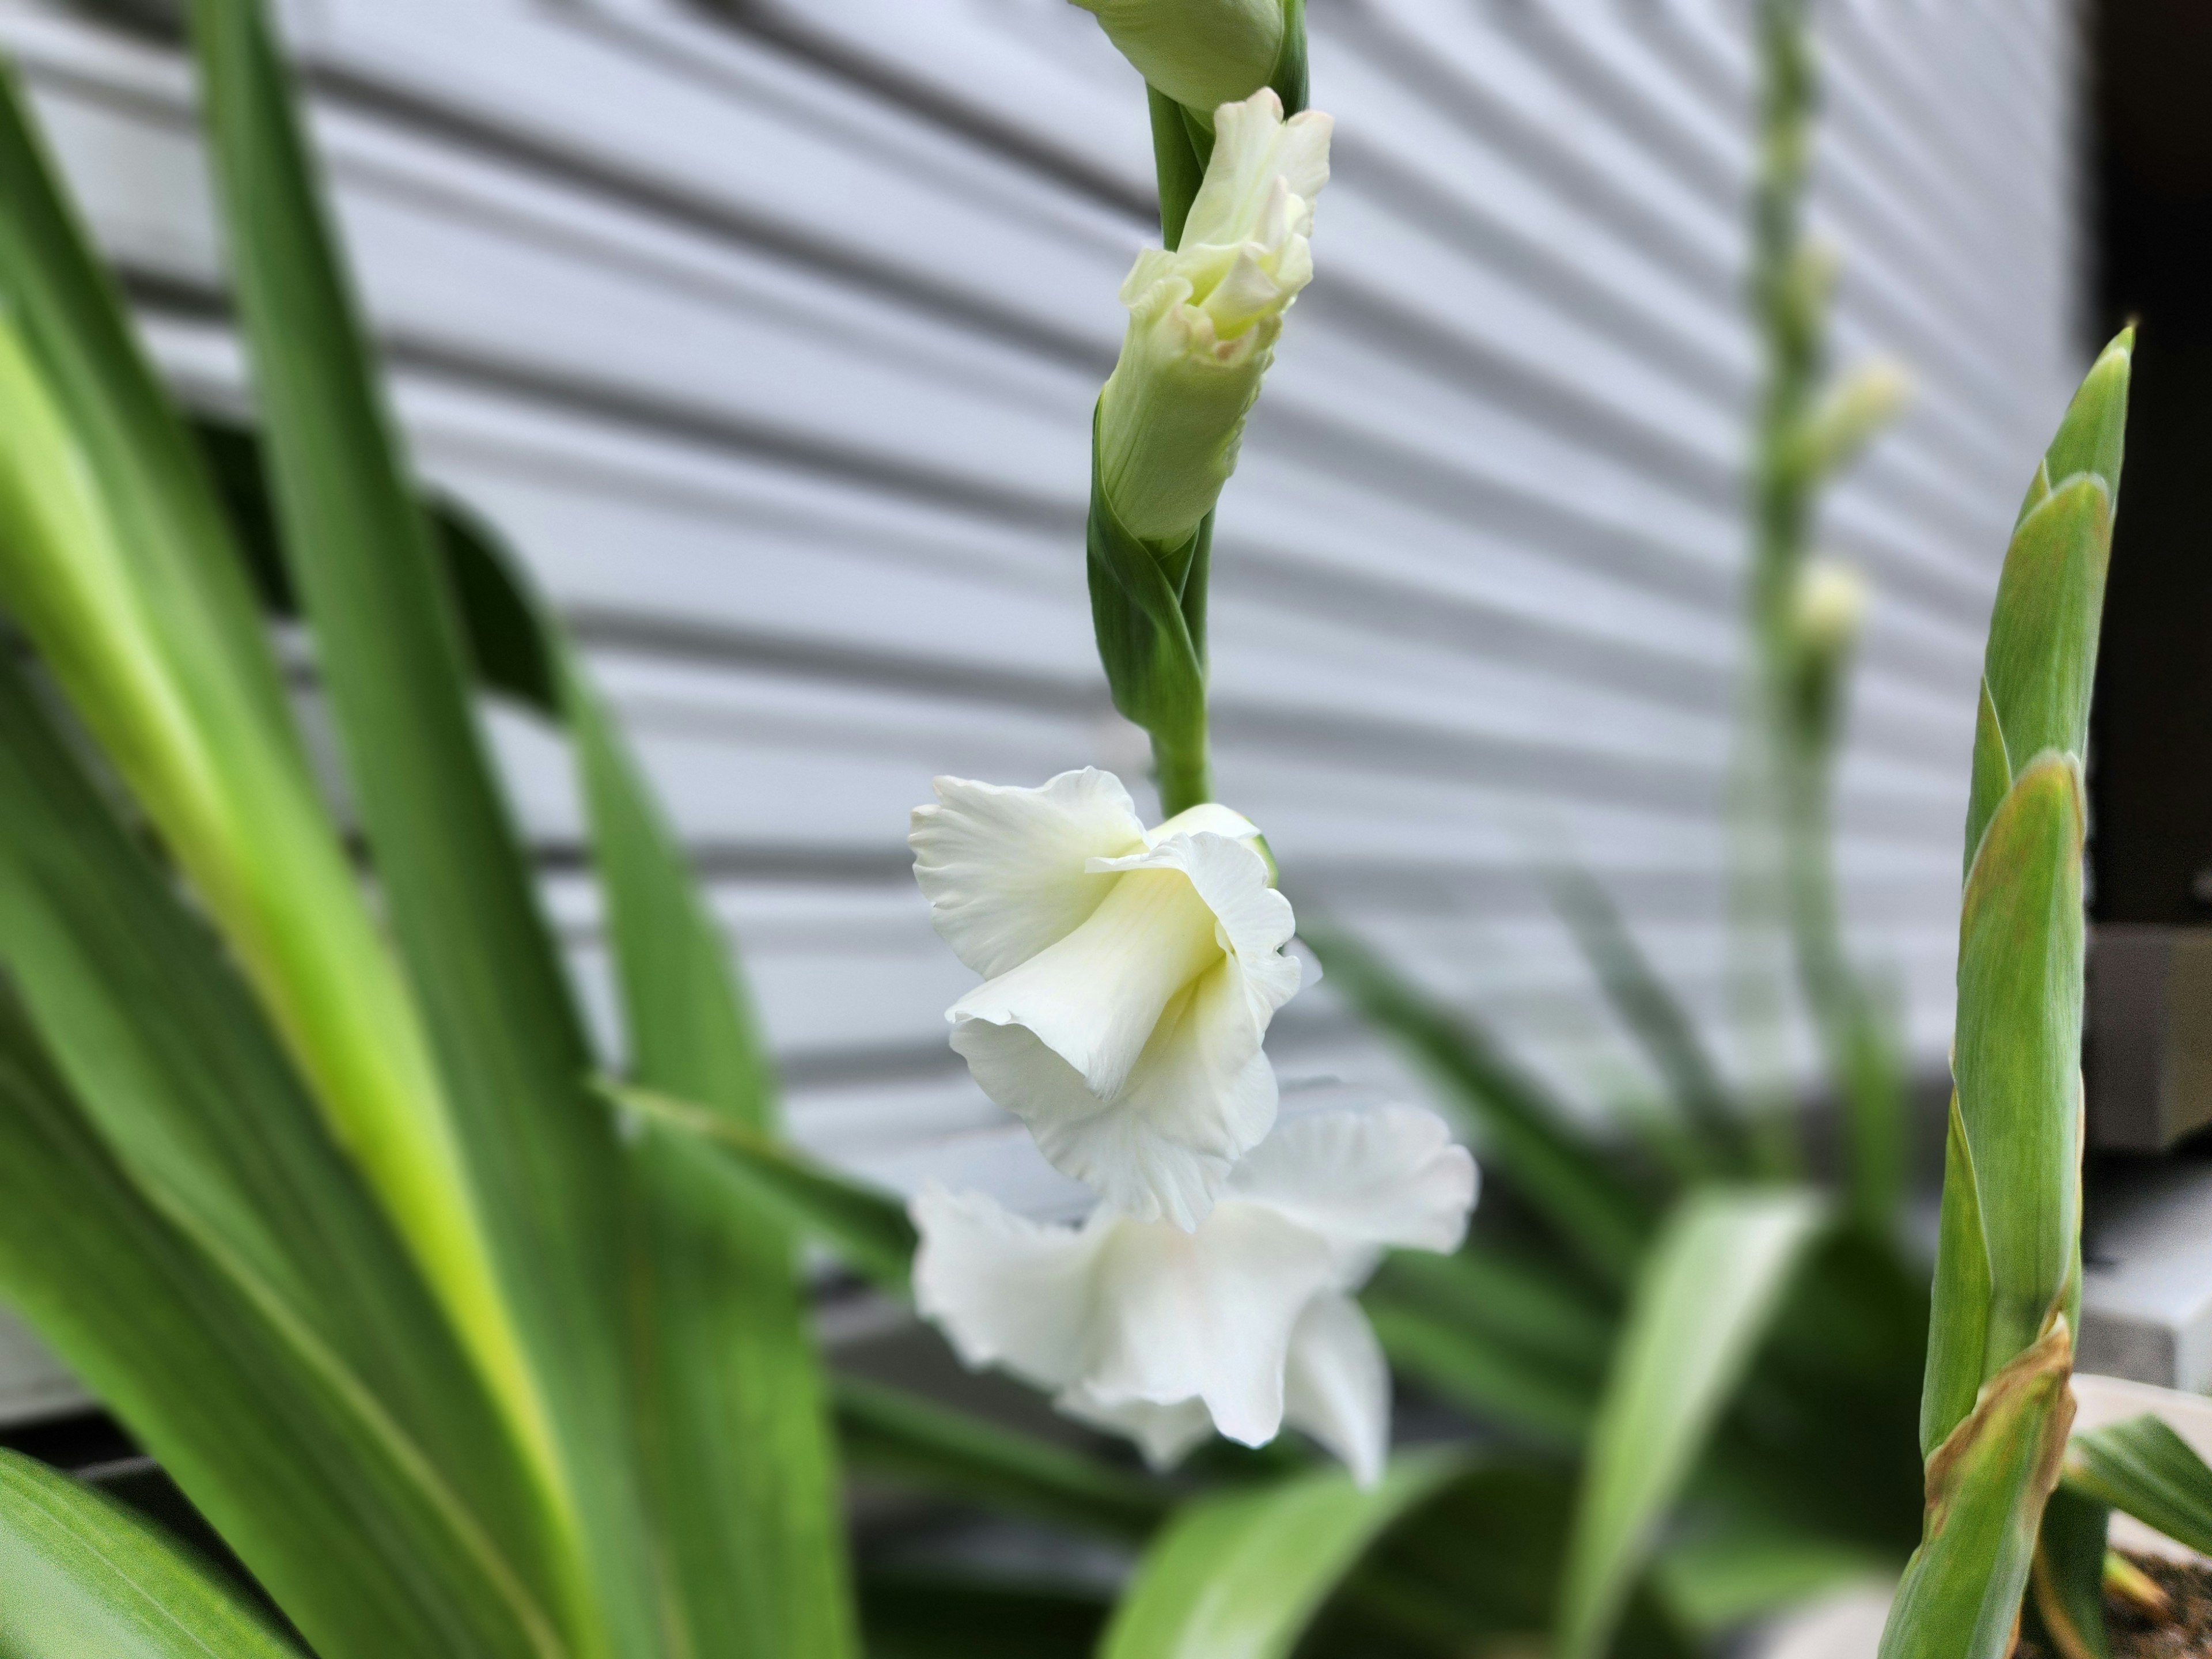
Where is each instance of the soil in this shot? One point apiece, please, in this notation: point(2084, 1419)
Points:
point(2185, 1632)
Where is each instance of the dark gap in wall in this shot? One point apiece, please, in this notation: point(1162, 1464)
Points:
point(2151, 745)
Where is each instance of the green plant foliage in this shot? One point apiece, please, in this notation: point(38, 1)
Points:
point(1702, 1303)
point(903, 1439)
point(81, 1575)
point(2143, 1468)
point(2067, 1582)
point(916, 1615)
point(1995, 1406)
point(1241, 1575)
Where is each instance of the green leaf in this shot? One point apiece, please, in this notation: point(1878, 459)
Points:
point(113, 560)
point(1701, 1306)
point(174, 1069)
point(1241, 1576)
point(1986, 1486)
point(1524, 1134)
point(1993, 773)
point(2091, 435)
point(1653, 1016)
point(1148, 614)
point(907, 1440)
point(2067, 1582)
point(1487, 1378)
point(2018, 1053)
point(81, 1575)
point(2143, 1469)
point(869, 1228)
point(455, 890)
point(1958, 1316)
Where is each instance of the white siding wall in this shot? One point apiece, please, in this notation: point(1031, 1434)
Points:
point(773, 345)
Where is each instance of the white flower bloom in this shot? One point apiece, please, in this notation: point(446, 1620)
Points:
point(1129, 978)
point(1240, 1327)
point(1199, 52)
point(1203, 319)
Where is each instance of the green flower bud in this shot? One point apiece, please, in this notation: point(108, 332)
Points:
point(1202, 53)
point(1203, 320)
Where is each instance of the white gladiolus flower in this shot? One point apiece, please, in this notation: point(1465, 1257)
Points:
point(1129, 978)
point(1241, 1327)
point(1199, 52)
point(1203, 320)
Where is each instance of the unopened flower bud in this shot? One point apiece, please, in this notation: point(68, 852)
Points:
point(1862, 404)
point(1202, 53)
point(1827, 613)
point(1203, 320)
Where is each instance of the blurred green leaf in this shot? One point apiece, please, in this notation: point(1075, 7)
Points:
point(867, 1227)
point(1654, 1017)
point(2143, 1468)
point(455, 888)
point(1522, 1133)
point(114, 561)
point(1489, 1378)
point(903, 1438)
point(213, 1229)
point(1702, 1304)
point(79, 1574)
point(1241, 1575)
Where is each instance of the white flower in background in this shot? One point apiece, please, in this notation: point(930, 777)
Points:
point(1129, 978)
point(1199, 52)
point(1203, 320)
point(1242, 1325)
point(1829, 607)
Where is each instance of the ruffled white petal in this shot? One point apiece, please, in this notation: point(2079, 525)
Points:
point(1255, 920)
point(1336, 1384)
point(1004, 869)
point(1204, 1315)
point(1365, 1180)
point(1004, 1290)
point(1095, 997)
point(1200, 1097)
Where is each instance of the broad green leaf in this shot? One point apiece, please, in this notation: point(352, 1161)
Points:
point(539, 1146)
point(113, 560)
point(867, 1227)
point(1720, 1580)
point(79, 1575)
point(1986, 1486)
point(1241, 1576)
point(343, 1519)
point(2143, 1468)
point(2018, 1052)
point(739, 1459)
point(2067, 1582)
point(1523, 1134)
point(1701, 1306)
point(1958, 1316)
point(1506, 1290)
point(907, 1440)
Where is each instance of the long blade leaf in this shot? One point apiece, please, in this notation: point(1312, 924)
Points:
point(1700, 1307)
point(82, 1575)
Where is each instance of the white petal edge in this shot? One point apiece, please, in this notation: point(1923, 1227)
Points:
point(1365, 1181)
point(1004, 1290)
point(1164, 1433)
point(1336, 1385)
point(1255, 921)
point(1005, 869)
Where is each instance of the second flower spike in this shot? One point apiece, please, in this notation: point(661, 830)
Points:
point(1129, 976)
